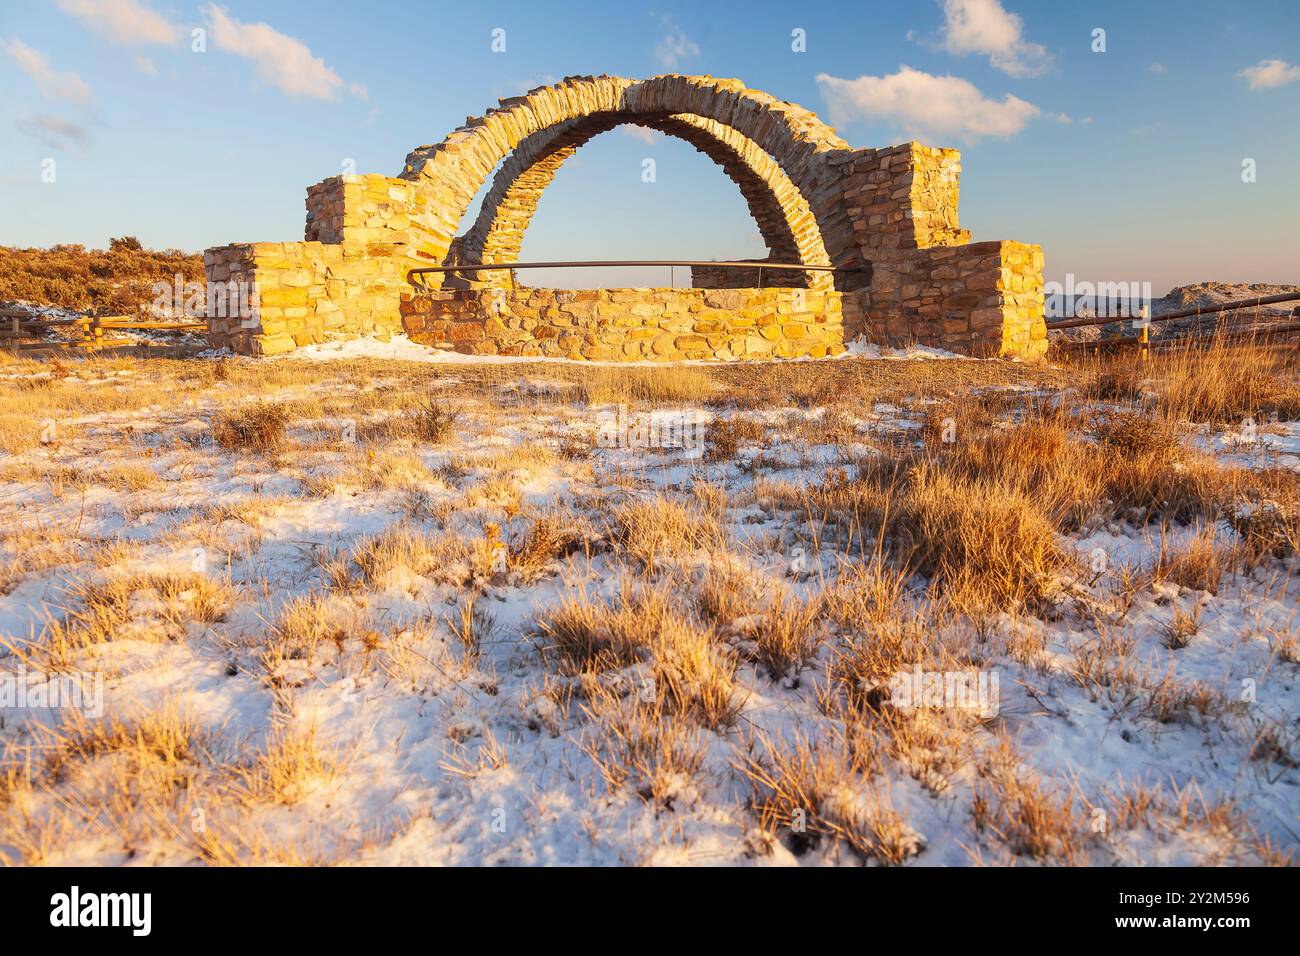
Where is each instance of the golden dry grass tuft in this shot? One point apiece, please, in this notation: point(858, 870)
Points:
point(444, 556)
point(788, 636)
point(257, 427)
point(602, 385)
point(160, 605)
point(1028, 818)
point(635, 743)
point(808, 791)
point(662, 528)
point(596, 634)
point(293, 765)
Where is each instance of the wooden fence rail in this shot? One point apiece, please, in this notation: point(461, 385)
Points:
point(17, 329)
point(1235, 334)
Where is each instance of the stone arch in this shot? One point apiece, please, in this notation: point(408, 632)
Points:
point(784, 217)
point(449, 174)
point(889, 214)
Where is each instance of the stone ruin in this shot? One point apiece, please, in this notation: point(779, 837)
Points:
point(887, 217)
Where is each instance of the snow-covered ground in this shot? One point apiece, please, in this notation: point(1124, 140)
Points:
point(335, 709)
point(402, 348)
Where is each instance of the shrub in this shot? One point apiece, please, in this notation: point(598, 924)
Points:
point(119, 280)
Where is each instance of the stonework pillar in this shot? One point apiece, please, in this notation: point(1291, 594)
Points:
point(928, 285)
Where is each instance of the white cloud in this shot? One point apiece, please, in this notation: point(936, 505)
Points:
point(146, 66)
point(283, 61)
point(55, 84)
point(122, 21)
point(936, 107)
point(53, 131)
point(675, 46)
point(643, 133)
point(1270, 74)
point(1158, 68)
point(986, 28)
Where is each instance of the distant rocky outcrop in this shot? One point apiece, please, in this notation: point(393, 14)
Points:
point(1204, 294)
point(1215, 293)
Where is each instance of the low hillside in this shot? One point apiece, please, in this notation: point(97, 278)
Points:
point(115, 281)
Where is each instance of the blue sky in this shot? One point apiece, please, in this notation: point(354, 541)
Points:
point(1124, 164)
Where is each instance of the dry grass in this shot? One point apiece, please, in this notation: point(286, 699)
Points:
point(1268, 526)
point(662, 528)
point(674, 383)
point(1028, 818)
point(255, 427)
point(1178, 633)
point(812, 791)
point(549, 537)
point(1169, 700)
point(425, 420)
point(691, 674)
point(27, 549)
point(160, 747)
point(695, 675)
point(724, 437)
point(1216, 383)
point(787, 637)
point(594, 635)
point(1212, 381)
point(125, 778)
point(311, 622)
point(636, 744)
point(149, 606)
point(385, 470)
point(444, 557)
point(944, 548)
point(128, 477)
point(729, 591)
point(1133, 434)
point(471, 625)
point(293, 766)
point(1201, 564)
point(991, 541)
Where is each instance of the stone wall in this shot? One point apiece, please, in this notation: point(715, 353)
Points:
point(629, 324)
point(345, 279)
point(726, 277)
point(303, 292)
point(982, 299)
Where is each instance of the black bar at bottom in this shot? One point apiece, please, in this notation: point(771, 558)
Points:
point(337, 906)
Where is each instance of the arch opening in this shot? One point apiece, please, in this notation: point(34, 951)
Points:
point(763, 144)
point(782, 215)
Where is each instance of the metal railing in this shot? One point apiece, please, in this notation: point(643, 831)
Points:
point(602, 263)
